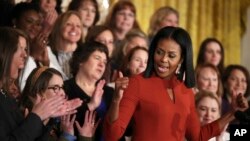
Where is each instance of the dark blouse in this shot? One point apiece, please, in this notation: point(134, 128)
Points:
point(74, 91)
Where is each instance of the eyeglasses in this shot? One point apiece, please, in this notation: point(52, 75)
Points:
point(55, 88)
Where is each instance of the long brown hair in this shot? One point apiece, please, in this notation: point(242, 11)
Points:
point(120, 5)
point(9, 40)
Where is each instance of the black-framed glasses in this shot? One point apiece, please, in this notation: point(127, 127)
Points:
point(56, 88)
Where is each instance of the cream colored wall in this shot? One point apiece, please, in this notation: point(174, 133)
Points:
point(245, 44)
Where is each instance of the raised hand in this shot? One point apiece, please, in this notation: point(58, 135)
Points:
point(67, 124)
point(46, 108)
point(49, 21)
point(121, 84)
point(70, 107)
point(97, 96)
point(239, 102)
point(89, 126)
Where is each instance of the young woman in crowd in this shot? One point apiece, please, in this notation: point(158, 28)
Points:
point(160, 100)
point(211, 52)
point(135, 62)
point(89, 12)
point(208, 108)
point(235, 78)
point(122, 19)
point(64, 38)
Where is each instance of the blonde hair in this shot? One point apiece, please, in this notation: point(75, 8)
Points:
point(158, 17)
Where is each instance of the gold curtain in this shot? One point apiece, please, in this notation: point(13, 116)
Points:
point(222, 19)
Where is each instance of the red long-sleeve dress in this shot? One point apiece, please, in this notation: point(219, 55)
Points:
point(156, 116)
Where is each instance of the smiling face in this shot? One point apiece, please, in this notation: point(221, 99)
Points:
point(213, 54)
point(19, 58)
point(125, 19)
point(208, 80)
point(30, 22)
point(167, 56)
point(237, 82)
point(95, 66)
point(87, 11)
point(208, 110)
point(72, 29)
point(138, 62)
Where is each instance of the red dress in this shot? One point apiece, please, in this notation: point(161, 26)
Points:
point(156, 116)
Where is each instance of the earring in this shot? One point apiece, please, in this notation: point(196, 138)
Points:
point(178, 69)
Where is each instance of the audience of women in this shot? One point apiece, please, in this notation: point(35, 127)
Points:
point(89, 13)
point(160, 100)
point(211, 52)
point(14, 126)
point(88, 64)
point(235, 78)
point(26, 17)
point(45, 83)
point(151, 93)
point(208, 108)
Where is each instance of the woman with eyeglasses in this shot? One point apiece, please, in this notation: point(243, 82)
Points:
point(47, 82)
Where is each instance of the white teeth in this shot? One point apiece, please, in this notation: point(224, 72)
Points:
point(73, 33)
point(162, 69)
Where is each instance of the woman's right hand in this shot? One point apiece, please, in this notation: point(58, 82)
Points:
point(45, 108)
point(121, 83)
point(97, 96)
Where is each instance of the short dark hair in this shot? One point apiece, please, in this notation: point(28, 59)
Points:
point(83, 52)
point(75, 5)
point(181, 37)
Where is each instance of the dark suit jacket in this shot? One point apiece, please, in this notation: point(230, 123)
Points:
point(13, 126)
